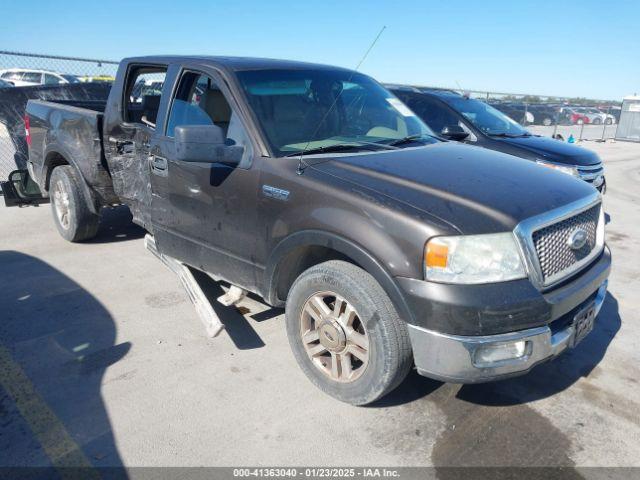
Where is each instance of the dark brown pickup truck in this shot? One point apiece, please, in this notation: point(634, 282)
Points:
point(316, 188)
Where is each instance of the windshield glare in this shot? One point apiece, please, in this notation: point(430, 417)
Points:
point(485, 117)
point(300, 109)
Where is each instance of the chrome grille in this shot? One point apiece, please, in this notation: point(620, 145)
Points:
point(590, 172)
point(552, 242)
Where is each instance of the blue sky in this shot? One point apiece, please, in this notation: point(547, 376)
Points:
point(571, 48)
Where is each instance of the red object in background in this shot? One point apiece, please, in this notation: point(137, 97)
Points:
point(576, 117)
point(27, 130)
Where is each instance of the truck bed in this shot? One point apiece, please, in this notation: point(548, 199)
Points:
point(70, 131)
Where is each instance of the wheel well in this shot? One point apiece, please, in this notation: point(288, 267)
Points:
point(52, 161)
point(300, 259)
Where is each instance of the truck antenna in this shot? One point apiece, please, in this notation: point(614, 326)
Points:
point(300, 170)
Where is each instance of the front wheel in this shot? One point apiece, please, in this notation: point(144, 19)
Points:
point(346, 334)
point(73, 218)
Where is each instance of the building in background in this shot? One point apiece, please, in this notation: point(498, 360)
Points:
point(629, 126)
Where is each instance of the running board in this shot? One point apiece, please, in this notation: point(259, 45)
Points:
point(205, 311)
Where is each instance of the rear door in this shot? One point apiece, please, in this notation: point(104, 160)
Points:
point(129, 134)
point(205, 213)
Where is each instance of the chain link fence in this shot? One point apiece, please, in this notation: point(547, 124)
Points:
point(25, 76)
point(30, 76)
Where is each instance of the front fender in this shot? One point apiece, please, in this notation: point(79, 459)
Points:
point(344, 246)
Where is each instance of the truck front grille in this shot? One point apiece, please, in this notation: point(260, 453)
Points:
point(552, 242)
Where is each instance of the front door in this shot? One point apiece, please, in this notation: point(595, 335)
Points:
point(204, 213)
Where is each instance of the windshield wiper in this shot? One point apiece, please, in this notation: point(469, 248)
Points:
point(342, 147)
point(409, 139)
point(509, 135)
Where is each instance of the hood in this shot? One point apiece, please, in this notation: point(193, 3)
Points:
point(546, 148)
point(473, 189)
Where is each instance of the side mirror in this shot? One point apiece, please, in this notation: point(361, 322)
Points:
point(205, 143)
point(454, 132)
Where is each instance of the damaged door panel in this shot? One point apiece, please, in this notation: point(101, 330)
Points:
point(129, 139)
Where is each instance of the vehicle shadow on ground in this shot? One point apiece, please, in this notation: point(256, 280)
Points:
point(56, 341)
point(242, 334)
point(116, 225)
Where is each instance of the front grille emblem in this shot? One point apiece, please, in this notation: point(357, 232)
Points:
point(577, 239)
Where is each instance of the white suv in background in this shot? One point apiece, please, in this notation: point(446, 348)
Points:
point(22, 77)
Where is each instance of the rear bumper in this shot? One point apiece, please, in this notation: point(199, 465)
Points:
point(453, 358)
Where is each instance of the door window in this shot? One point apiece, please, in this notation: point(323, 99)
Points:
point(432, 112)
point(31, 77)
point(51, 79)
point(142, 94)
point(199, 101)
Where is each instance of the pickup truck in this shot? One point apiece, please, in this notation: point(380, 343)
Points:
point(317, 189)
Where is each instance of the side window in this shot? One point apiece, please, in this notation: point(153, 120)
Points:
point(33, 77)
point(199, 101)
point(142, 94)
point(434, 114)
point(51, 79)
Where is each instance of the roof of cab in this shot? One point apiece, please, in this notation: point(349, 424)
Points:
point(234, 63)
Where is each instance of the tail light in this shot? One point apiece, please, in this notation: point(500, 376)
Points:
point(27, 129)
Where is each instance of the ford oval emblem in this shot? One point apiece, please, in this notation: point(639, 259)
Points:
point(577, 239)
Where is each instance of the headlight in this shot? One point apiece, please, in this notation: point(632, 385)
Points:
point(568, 169)
point(473, 259)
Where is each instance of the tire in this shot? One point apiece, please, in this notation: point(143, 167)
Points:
point(597, 121)
point(71, 214)
point(579, 121)
point(547, 121)
point(388, 354)
point(608, 121)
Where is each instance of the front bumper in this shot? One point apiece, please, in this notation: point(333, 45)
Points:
point(452, 358)
point(452, 322)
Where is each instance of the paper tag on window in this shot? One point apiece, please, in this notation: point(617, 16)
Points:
point(400, 107)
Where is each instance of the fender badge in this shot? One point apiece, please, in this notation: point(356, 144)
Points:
point(274, 192)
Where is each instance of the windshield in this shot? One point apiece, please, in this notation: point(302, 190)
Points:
point(294, 108)
point(485, 117)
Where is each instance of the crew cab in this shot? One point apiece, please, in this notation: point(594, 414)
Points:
point(472, 121)
point(317, 189)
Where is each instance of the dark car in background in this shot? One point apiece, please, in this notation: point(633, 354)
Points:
point(464, 119)
point(543, 114)
point(516, 111)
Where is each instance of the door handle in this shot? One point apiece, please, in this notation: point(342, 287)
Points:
point(159, 165)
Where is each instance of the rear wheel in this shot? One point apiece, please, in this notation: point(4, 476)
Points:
point(71, 214)
point(597, 121)
point(547, 121)
point(608, 121)
point(346, 334)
